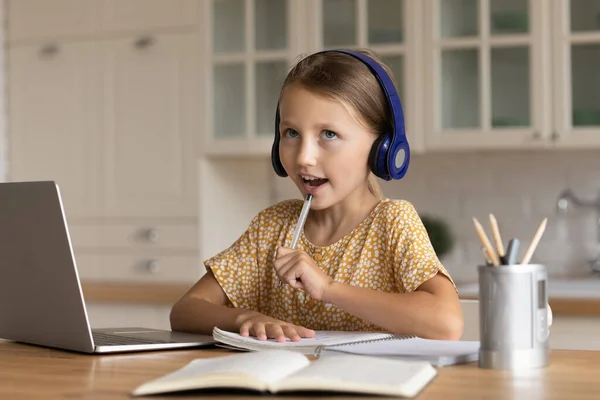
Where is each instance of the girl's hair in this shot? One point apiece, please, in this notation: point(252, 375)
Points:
point(340, 77)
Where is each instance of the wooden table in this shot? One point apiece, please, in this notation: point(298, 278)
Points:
point(30, 372)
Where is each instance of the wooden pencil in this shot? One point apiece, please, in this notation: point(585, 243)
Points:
point(486, 242)
point(496, 235)
point(534, 242)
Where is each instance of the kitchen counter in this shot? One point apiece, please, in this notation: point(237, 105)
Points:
point(570, 296)
point(146, 293)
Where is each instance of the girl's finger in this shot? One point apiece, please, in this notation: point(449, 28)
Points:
point(258, 330)
point(291, 332)
point(305, 332)
point(274, 331)
point(279, 262)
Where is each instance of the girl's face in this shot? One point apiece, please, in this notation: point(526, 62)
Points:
point(323, 147)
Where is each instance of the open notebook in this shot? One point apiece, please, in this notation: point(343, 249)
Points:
point(380, 344)
point(281, 371)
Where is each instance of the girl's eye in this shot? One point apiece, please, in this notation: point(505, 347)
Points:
point(330, 135)
point(290, 133)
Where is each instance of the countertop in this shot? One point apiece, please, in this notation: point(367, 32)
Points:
point(31, 372)
point(567, 295)
point(576, 301)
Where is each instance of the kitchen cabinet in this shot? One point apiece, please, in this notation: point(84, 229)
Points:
point(248, 47)
point(30, 20)
point(114, 120)
point(250, 58)
point(512, 74)
point(472, 74)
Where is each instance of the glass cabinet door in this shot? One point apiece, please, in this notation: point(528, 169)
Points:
point(374, 24)
point(577, 46)
point(484, 55)
point(249, 55)
point(381, 26)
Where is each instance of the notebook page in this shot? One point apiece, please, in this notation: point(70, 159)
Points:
point(362, 374)
point(268, 367)
point(322, 338)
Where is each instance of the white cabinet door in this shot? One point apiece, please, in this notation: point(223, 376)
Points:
point(52, 110)
point(576, 45)
point(120, 15)
point(31, 19)
point(150, 110)
point(488, 74)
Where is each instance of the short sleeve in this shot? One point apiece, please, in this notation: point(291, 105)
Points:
point(415, 259)
point(236, 269)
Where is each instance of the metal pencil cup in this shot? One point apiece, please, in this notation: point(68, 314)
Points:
point(513, 316)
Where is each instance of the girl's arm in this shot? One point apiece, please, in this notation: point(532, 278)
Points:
point(203, 307)
point(432, 311)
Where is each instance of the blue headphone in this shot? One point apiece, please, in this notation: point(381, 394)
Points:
point(390, 155)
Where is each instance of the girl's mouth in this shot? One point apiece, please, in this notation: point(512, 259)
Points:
point(311, 183)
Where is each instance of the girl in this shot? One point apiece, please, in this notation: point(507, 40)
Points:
point(363, 262)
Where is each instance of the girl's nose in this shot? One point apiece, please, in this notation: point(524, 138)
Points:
point(307, 154)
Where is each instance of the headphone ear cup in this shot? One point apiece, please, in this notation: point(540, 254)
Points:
point(378, 157)
point(275, 159)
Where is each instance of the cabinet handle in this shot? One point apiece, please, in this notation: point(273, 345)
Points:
point(152, 235)
point(555, 136)
point(144, 42)
point(49, 50)
point(537, 135)
point(153, 266)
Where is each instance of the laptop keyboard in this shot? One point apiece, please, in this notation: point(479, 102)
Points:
point(107, 339)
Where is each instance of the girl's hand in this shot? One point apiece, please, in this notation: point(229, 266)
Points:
point(263, 327)
point(298, 269)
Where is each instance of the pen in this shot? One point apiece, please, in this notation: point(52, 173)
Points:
point(299, 225)
point(512, 251)
point(496, 236)
point(486, 243)
point(534, 242)
point(301, 221)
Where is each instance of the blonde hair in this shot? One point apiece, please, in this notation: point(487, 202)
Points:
point(343, 78)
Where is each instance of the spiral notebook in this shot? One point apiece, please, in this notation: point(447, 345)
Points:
point(377, 344)
point(439, 353)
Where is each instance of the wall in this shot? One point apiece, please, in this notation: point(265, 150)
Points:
point(520, 188)
point(3, 138)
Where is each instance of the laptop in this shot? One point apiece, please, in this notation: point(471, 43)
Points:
point(41, 301)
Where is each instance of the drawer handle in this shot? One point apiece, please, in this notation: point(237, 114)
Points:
point(152, 235)
point(153, 266)
point(144, 42)
point(49, 50)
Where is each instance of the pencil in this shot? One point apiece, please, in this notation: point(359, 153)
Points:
point(496, 235)
point(534, 242)
point(488, 260)
point(486, 242)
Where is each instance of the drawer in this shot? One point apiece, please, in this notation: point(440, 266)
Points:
point(184, 237)
point(139, 268)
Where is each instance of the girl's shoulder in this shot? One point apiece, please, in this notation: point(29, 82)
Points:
point(395, 210)
point(284, 211)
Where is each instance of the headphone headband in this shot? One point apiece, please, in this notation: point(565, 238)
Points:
point(390, 155)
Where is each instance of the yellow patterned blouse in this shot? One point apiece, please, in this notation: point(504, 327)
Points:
point(388, 251)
